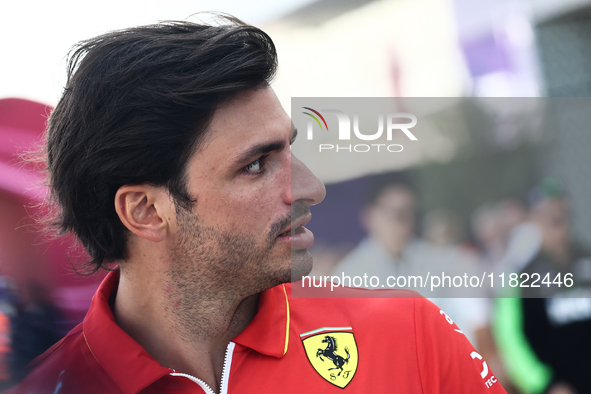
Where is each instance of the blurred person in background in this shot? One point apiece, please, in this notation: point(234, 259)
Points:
point(546, 333)
point(444, 231)
point(513, 213)
point(444, 228)
point(523, 235)
point(496, 227)
point(34, 328)
point(506, 235)
point(392, 248)
point(488, 233)
point(7, 311)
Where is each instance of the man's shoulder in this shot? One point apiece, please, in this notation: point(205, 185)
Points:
point(425, 337)
point(60, 348)
point(69, 362)
point(324, 291)
point(361, 305)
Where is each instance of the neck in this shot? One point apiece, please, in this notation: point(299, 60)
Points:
point(187, 330)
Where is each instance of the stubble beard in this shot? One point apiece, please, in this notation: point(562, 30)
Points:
point(213, 271)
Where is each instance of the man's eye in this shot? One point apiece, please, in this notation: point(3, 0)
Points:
point(256, 167)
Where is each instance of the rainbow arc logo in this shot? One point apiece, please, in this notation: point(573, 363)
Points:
point(315, 118)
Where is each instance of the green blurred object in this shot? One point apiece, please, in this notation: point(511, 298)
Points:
point(551, 188)
point(526, 371)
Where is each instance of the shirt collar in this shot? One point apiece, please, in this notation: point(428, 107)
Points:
point(128, 364)
point(132, 368)
point(268, 332)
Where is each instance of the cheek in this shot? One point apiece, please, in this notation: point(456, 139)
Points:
point(240, 211)
point(382, 224)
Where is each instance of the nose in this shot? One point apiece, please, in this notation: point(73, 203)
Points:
point(305, 186)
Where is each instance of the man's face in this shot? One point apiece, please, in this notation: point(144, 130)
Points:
point(553, 218)
point(392, 218)
point(249, 192)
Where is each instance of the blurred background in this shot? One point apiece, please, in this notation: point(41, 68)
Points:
point(492, 186)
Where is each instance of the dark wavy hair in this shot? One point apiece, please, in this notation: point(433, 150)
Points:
point(136, 105)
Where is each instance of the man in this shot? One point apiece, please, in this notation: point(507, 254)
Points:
point(169, 155)
point(550, 347)
point(392, 249)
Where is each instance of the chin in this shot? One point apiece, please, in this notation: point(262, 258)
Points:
point(292, 270)
point(301, 264)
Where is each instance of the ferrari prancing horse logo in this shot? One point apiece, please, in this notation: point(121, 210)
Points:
point(333, 353)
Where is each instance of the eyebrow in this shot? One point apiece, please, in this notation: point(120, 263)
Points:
point(260, 149)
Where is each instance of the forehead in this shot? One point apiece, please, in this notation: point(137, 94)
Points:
point(250, 120)
point(250, 114)
point(395, 196)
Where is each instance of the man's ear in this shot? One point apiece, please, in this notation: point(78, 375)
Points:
point(145, 210)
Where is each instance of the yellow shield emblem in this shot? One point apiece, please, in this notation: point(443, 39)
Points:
point(333, 353)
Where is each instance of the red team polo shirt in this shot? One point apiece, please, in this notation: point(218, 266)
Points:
point(293, 345)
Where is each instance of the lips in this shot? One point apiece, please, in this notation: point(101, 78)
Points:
point(296, 230)
point(298, 236)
